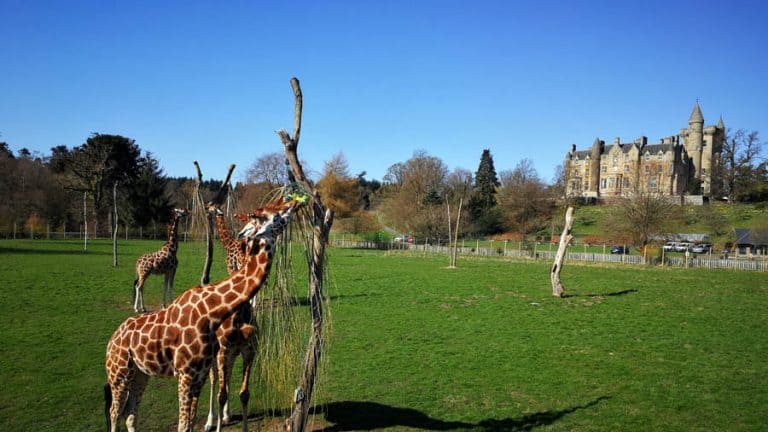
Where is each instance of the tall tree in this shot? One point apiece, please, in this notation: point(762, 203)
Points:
point(149, 201)
point(741, 174)
point(411, 189)
point(96, 165)
point(525, 201)
point(482, 204)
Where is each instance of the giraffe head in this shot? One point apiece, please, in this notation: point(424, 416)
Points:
point(269, 221)
point(179, 213)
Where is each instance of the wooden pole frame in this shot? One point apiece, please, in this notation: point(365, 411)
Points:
point(322, 220)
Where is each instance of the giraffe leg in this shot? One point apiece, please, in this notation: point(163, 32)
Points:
point(119, 390)
point(185, 403)
point(170, 285)
point(189, 394)
point(214, 380)
point(166, 282)
point(135, 392)
point(249, 354)
point(227, 360)
point(138, 294)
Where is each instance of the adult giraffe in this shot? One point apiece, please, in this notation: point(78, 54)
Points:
point(180, 340)
point(162, 262)
point(236, 336)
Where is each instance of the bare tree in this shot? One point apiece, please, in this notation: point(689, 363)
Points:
point(740, 165)
point(269, 168)
point(322, 220)
point(642, 216)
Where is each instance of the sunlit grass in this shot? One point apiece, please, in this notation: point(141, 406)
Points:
point(415, 345)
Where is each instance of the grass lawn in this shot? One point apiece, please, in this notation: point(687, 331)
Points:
point(414, 345)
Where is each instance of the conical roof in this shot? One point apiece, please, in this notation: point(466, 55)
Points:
point(696, 116)
point(720, 123)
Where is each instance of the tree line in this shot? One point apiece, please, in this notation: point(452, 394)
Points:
point(75, 186)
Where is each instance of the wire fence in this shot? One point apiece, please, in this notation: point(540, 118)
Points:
point(537, 252)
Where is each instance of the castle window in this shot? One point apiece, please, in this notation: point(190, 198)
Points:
point(659, 156)
point(626, 182)
point(647, 169)
point(603, 169)
point(610, 182)
point(603, 183)
point(652, 183)
point(615, 161)
point(626, 168)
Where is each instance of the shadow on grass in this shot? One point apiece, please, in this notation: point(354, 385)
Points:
point(613, 294)
point(355, 416)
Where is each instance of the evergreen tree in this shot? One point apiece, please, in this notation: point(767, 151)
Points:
point(148, 199)
point(482, 204)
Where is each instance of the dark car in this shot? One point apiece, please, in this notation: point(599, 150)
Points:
point(620, 250)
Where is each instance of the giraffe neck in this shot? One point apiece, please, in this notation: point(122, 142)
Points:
point(245, 283)
point(173, 241)
point(224, 234)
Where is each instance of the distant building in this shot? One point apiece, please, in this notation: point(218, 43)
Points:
point(674, 166)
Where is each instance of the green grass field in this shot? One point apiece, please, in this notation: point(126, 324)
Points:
point(414, 345)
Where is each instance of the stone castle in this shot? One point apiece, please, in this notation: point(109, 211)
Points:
point(679, 165)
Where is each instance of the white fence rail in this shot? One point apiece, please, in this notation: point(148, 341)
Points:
point(755, 264)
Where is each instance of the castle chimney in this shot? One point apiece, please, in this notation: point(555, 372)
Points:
point(573, 148)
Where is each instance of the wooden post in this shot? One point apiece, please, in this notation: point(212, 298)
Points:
point(322, 220)
point(114, 225)
point(85, 222)
point(557, 287)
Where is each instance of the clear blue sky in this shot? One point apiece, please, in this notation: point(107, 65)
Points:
point(210, 80)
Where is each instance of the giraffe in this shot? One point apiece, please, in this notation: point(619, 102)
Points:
point(233, 248)
point(180, 340)
point(234, 336)
point(163, 262)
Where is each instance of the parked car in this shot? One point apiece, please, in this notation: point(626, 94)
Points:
point(701, 248)
point(621, 250)
point(669, 246)
point(682, 246)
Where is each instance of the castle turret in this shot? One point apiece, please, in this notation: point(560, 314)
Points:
point(694, 138)
point(594, 166)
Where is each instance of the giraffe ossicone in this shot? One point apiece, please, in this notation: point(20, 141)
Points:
point(180, 339)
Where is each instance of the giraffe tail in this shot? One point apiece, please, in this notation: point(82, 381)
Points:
point(107, 404)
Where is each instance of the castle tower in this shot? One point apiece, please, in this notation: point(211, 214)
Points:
point(693, 138)
point(594, 166)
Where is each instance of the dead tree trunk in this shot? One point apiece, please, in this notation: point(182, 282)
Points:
point(455, 249)
point(565, 238)
point(322, 220)
point(209, 224)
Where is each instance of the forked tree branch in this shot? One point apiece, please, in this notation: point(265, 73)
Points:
point(322, 220)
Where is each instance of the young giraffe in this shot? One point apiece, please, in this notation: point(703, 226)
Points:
point(180, 340)
point(162, 262)
point(234, 337)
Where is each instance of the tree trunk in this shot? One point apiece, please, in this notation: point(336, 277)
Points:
point(565, 238)
point(455, 250)
point(218, 199)
point(85, 222)
point(114, 225)
point(322, 220)
point(450, 236)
